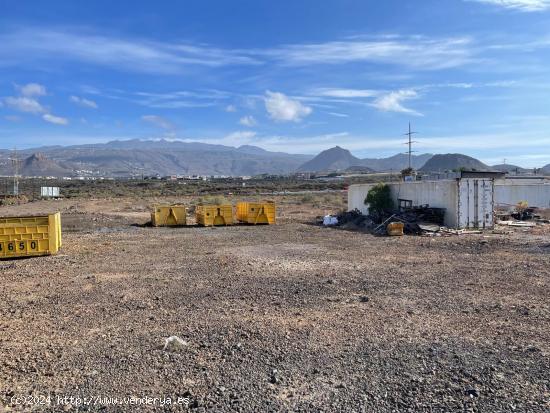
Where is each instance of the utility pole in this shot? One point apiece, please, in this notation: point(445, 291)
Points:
point(410, 142)
point(15, 161)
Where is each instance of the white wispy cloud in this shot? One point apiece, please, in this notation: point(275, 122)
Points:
point(32, 89)
point(159, 121)
point(28, 102)
point(236, 138)
point(24, 104)
point(87, 103)
point(345, 93)
point(230, 108)
point(136, 55)
point(248, 121)
point(415, 51)
point(143, 55)
point(393, 101)
point(338, 115)
point(57, 120)
point(521, 5)
point(178, 99)
point(281, 108)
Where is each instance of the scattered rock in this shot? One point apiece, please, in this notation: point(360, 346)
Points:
point(174, 343)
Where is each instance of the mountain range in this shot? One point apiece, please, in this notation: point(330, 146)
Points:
point(337, 158)
point(162, 157)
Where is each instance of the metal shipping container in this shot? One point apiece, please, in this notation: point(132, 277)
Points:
point(49, 191)
point(475, 203)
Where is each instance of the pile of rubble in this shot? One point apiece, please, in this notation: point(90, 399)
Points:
point(416, 220)
point(351, 220)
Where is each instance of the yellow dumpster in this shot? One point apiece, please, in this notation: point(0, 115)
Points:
point(256, 212)
point(210, 215)
point(30, 236)
point(395, 229)
point(168, 215)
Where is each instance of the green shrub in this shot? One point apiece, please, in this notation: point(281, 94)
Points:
point(379, 199)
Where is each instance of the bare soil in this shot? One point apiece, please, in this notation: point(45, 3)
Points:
point(289, 317)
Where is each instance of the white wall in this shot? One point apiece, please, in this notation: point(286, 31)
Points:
point(356, 197)
point(508, 195)
point(437, 194)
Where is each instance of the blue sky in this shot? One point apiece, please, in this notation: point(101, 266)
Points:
point(473, 76)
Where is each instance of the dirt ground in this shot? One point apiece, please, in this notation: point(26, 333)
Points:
point(289, 317)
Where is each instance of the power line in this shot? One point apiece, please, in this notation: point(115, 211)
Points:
point(15, 162)
point(410, 142)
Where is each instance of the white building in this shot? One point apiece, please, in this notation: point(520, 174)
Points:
point(468, 200)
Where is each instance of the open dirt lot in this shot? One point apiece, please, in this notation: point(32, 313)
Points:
point(291, 317)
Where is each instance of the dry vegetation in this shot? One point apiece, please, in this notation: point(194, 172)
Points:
point(290, 317)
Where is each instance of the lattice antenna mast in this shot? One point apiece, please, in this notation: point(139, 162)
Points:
point(15, 162)
point(410, 133)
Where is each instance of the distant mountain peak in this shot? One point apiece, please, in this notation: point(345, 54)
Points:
point(453, 161)
point(332, 159)
point(38, 164)
point(338, 158)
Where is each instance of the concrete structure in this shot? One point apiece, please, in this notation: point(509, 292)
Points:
point(508, 194)
point(468, 202)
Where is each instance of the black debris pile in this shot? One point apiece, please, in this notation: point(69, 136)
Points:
point(354, 220)
point(417, 220)
point(423, 213)
point(526, 214)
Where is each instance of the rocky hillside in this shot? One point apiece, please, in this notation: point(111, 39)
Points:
point(333, 159)
point(512, 169)
point(39, 164)
point(453, 161)
point(339, 159)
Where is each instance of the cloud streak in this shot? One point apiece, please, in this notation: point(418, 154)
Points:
point(393, 102)
point(521, 5)
point(24, 104)
point(56, 120)
point(148, 56)
point(86, 103)
point(120, 53)
point(159, 121)
point(416, 52)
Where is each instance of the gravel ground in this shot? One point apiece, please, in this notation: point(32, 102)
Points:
point(291, 317)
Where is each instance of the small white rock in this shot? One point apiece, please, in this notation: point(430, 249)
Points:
point(174, 343)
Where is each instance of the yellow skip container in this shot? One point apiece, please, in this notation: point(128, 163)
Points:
point(30, 236)
point(256, 212)
point(169, 215)
point(395, 229)
point(214, 215)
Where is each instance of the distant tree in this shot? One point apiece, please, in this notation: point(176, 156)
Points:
point(407, 172)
